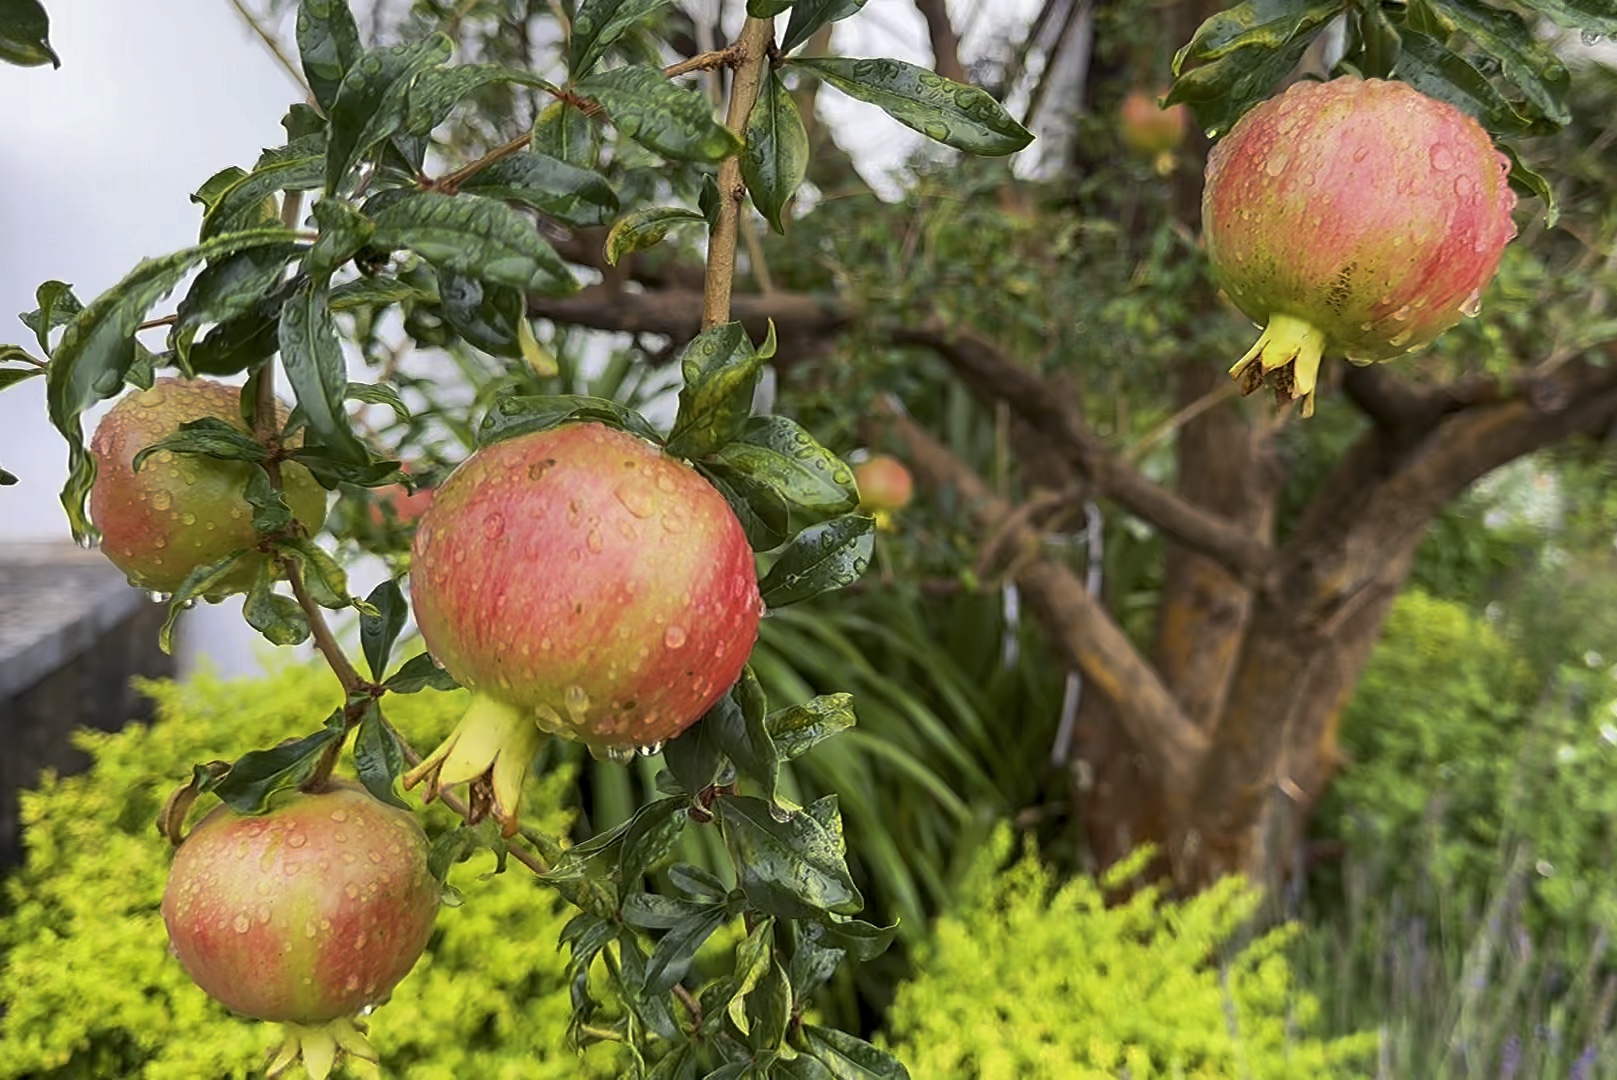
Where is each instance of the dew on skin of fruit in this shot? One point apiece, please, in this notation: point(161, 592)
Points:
point(243, 923)
point(635, 498)
point(674, 636)
point(1473, 305)
point(296, 840)
point(650, 749)
point(577, 701)
point(594, 542)
point(159, 597)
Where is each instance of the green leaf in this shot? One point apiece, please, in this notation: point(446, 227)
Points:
point(377, 757)
point(1235, 58)
point(802, 1067)
point(241, 204)
point(1382, 43)
point(767, 9)
point(509, 417)
point(755, 956)
point(964, 117)
point(204, 582)
point(239, 344)
point(13, 376)
point(675, 952)
point(420, 673)
point(478, 237)
point(7, 479)
point(648, 108)
point(720, 369)
point(651, 835)
point(372, 292)
point(737, 725)
point(1438, 71)
point(25, 34)
point(694, 757)
point(302, 120)
point(228, 289)
point(1593, 16)
point(797, 729)
point(486, 316)
point(210, 437)
point(436, 91)
point(563, 131)
point(760, 508)
point(645, 228)
point(318, 372)
point(792, 868)
point(779, 452)
point(809, 15)
point(378, 632)
point(343, 231)
point(258, 774)
point(821, 558)
point(277, 617)
point(98, 348)
point(1526, 61)
point(325, 577)
point(271, 514)
point(1528, 182)
point(769, 1009)
point(574, 196)
point(597, 24)
point(775, 151)
point(374, 100)
point(57, 306)
point(378, 394)
point(861, 940)
point(332, 471)
point(328, 44)
point(851, 1058)
point(650, 911)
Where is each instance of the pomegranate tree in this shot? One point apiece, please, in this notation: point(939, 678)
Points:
point(1357, 217)
point(583, 583)
point(305, 914)
point(181, 511)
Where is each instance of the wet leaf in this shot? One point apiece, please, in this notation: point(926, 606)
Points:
point(574, 196)
point(648, 108)
point(774, 157)
point(649, 838)
point(720, 370)
point(597, 24)
point(277, 617)
point(203, 582)
point(792, 868)
point(797, 729)
point(271, 513)
point(809, 15)
point(474, 236)
point(343, 232)
point(328, 44)
point(324, 576)
point(1235, 58)
point(25, 34)
point(57, 306)
point(437, 90)
point(851, 1058)
point(377, 757)
point(645, 228)
point(1438, 71)
point(509, 417)
point(258, 774)
point(242, 203)
point(1529, 63)
point(821, 558)
point(964, 117)
point(373, 101)
point(1594, 16)
point(650, 911)
point(210, 437)
point(318, 372)
point(1528, 182)
point(756, 503)
point(562, 131)
point(378, 394)
point(780, 452)
point(372, 292)
point(420, 673)
point(676, 950)
point(13, 376)
point(227, 289)
point(377, 633)
point(694, 757)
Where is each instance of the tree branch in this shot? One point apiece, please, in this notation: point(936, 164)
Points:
point(677, 313)
point(752, 62)
point(994, 377)
point(1081, 628)
point(945, 42)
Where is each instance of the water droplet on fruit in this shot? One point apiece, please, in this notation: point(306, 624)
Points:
point(494, 526)
point(577, 701)
point(1464, 186)
point(673, 522)
point(1441, 156)
point(351, 983)
point(651, 749)
point(549, 720)
point(1402, 313)
point(1473, 304)
point(188, 519)
point(243, 923)
point(297, 839)
point(1400, 339)
point(593, 541)
point(159, 597)
point(674, 637)
point(636, 498)
point(617, 755)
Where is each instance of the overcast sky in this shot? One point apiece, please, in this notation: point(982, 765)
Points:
point(153, 97)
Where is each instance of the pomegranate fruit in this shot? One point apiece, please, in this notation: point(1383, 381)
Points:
point(884, 484)
point(180, 511)
point(404, 506)
point(304, 914)
point(1356, 216)
point(1150, 130)
point(579, 582)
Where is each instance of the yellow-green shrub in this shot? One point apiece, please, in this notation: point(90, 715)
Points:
point(1026, 980)
point(87, 989)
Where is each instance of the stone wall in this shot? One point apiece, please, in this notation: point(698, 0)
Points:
point(73, 634)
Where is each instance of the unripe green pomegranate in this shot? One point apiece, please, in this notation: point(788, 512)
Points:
point(304, 914)
point(580, 582)
point(180, 511)
point(1356, 216)
point(884, 483)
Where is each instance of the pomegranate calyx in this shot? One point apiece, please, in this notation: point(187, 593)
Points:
point(493, 739)
point(319, 1046)
point(1287, 356)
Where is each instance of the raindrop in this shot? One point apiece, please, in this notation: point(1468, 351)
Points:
point(665, 482)
point(780, 813)
point(1473, 305)
point(593, 541)
point(188, 519)
point(87, 542)
point(577, 700)
point(1442, 157)
point(674, 637)
point(651, 749)
point(1589, 37)
point(494, 526)
point(635, 498)
point(296, 840)
point(162, 500)
point(243, 923)
point(159, 597)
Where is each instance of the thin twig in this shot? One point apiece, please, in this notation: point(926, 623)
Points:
point(152, 324)
point(273, 46)
point(1223, 393)
point(458, 806)
point(753, 59)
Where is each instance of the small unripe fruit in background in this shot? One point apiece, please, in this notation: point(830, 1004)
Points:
point(884, 483)
point(304, 914)
point(581, 583)
point(181, 511)
point(405, 506)
point(1151, 131)
point(1358, 217)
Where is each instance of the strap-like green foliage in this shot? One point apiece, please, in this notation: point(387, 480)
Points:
point(88, 990)
point(1027, 981)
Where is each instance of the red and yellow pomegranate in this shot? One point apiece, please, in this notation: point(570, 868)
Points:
point(885, 487)
point(1151, 131)
point(582, 583)
point(304, 914)
point(180, 511)
point(1357, 217)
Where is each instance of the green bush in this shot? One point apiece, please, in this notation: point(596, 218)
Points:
point(87, 989)
point(1030, 981)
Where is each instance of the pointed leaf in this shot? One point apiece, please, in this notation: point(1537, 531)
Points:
point(509, 417)
point(258, 774)
point(1438, 71)
point(241, 343)
point(486, 316)
point(809, 15)
point(648, 108)
point(378, 394)
point(210, 437)
point(675, 952)
point(757, 504)
point(98, 348)
point(1525, 60)
point(563, 131)
point(420, 673)
point(774, 157)
point(343, 231)
point(649, 911)
point(205, 581)
point(792, 868)
point(597, 24)
point(1236, 57)
point(324, 575)
point(378, 632)
point(377, 757)
point(57, 306)
point(645, 228)
point(13, 376)
point(436, 91)
point(228, 289)
point(318, 372)
point(650, 836)
point(737, 723)
point(797, 729)
point(25, 34)
point(964, 117)
point(478, 237)
point(271, 514)
point(822, 558)
point(779, 452)
point(694, 757)
point(374, 100)
point(1593, 16)
point(374, 292)
point(328, 43)
point(769, 1009)
point(851, 1058)
point(574, 196)
point(720, 369)
point(242, 204)
point(277, 617)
